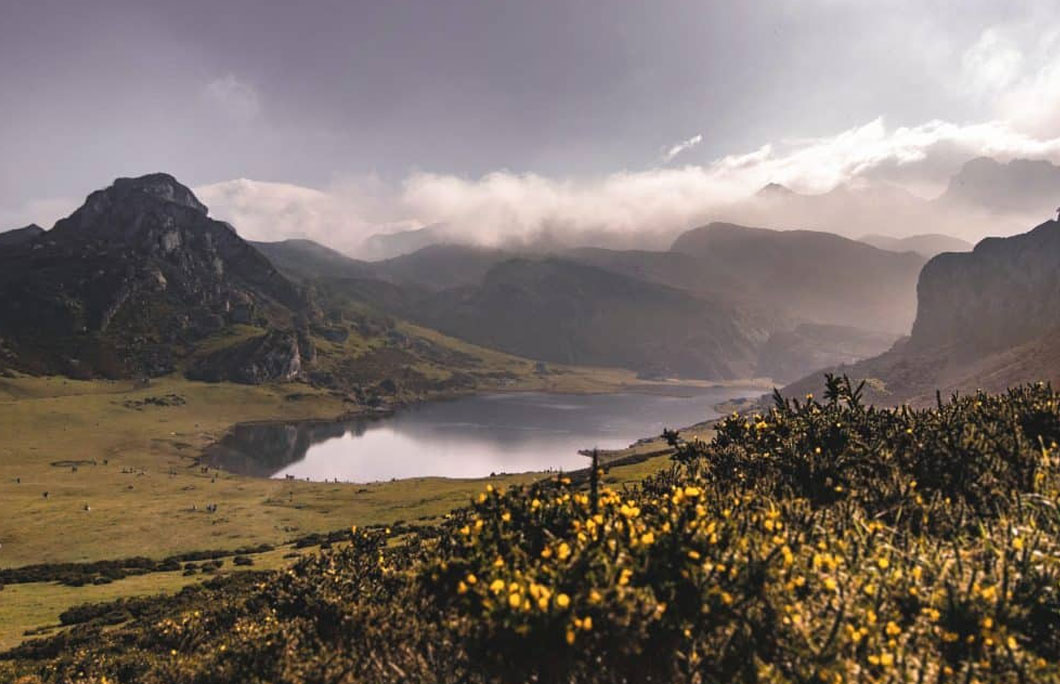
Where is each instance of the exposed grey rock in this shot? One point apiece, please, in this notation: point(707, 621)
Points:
point(1004, 292)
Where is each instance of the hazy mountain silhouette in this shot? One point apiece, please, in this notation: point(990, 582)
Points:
point(926, 246)
point(1021, 185)
point(812, 276)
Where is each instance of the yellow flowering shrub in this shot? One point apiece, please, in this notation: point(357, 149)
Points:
point(817, 542)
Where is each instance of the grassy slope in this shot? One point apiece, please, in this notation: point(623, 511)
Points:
point(46, 421)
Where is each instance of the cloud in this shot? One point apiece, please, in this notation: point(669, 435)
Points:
point(654, 203)
point(682, 146)
point(642, 208)
point(235, 98)
point(340, 216)
point(1015, 67)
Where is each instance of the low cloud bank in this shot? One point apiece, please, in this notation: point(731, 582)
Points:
point(869, 179)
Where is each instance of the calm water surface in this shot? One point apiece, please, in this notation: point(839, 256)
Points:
point(467, 437)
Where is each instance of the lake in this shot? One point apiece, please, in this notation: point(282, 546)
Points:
point(468, 437)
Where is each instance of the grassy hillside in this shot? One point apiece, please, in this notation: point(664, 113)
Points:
point(813, 276)
point(822, 541)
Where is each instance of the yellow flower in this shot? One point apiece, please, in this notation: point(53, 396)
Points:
point(830, 584)
point(497, 586)
point(506, 516)
point(570, 637)
point(470, 579)
point(564, 551)
point(562, 600)
point(692, 492)
point(594, 596)
point(647, 538)
point(1017, 543)
point(515, 600)
point(461, 588)
point(893, 629)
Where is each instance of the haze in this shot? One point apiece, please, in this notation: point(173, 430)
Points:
point(599, 122)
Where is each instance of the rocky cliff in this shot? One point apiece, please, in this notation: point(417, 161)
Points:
point(986, 319)
point(1003, 293)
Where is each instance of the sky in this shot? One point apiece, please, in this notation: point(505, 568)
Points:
point(336, 119)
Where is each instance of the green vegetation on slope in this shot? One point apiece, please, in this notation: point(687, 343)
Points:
point(823, 541)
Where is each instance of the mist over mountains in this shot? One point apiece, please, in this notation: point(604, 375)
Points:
point(643, 210)
point(136, 278)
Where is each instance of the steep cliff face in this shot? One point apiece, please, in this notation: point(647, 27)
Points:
point(986, 319)
point(131, 280)
point(1003, 293)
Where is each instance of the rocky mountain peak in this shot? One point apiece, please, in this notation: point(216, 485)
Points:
point(133, 207)
point(132, 280)
point(153, 186)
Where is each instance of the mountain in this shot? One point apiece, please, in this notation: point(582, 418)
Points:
point(927, 245)
point(562, 311)
point(812, 276)
point(472, 292)
point(132, 278)
point(18, 236)
point(140, 281)
point(1003, 293)
point(390, 245)
point(987, 319)
point(440, 267)
point(1022, 186)
point(302, 259)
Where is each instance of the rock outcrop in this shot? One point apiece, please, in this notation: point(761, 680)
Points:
point(278, 355)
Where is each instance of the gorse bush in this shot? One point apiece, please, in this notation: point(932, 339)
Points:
point(818, 542)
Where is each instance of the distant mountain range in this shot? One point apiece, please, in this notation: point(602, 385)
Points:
point(926, 246)
point(724, 302)
point(1020, 186)
point(140, 281)
point(986, 319)
point(984, 197)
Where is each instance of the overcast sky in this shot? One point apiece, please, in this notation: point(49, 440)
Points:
point(429, 110)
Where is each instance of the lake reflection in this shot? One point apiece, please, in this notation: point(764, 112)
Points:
point(468, 437)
